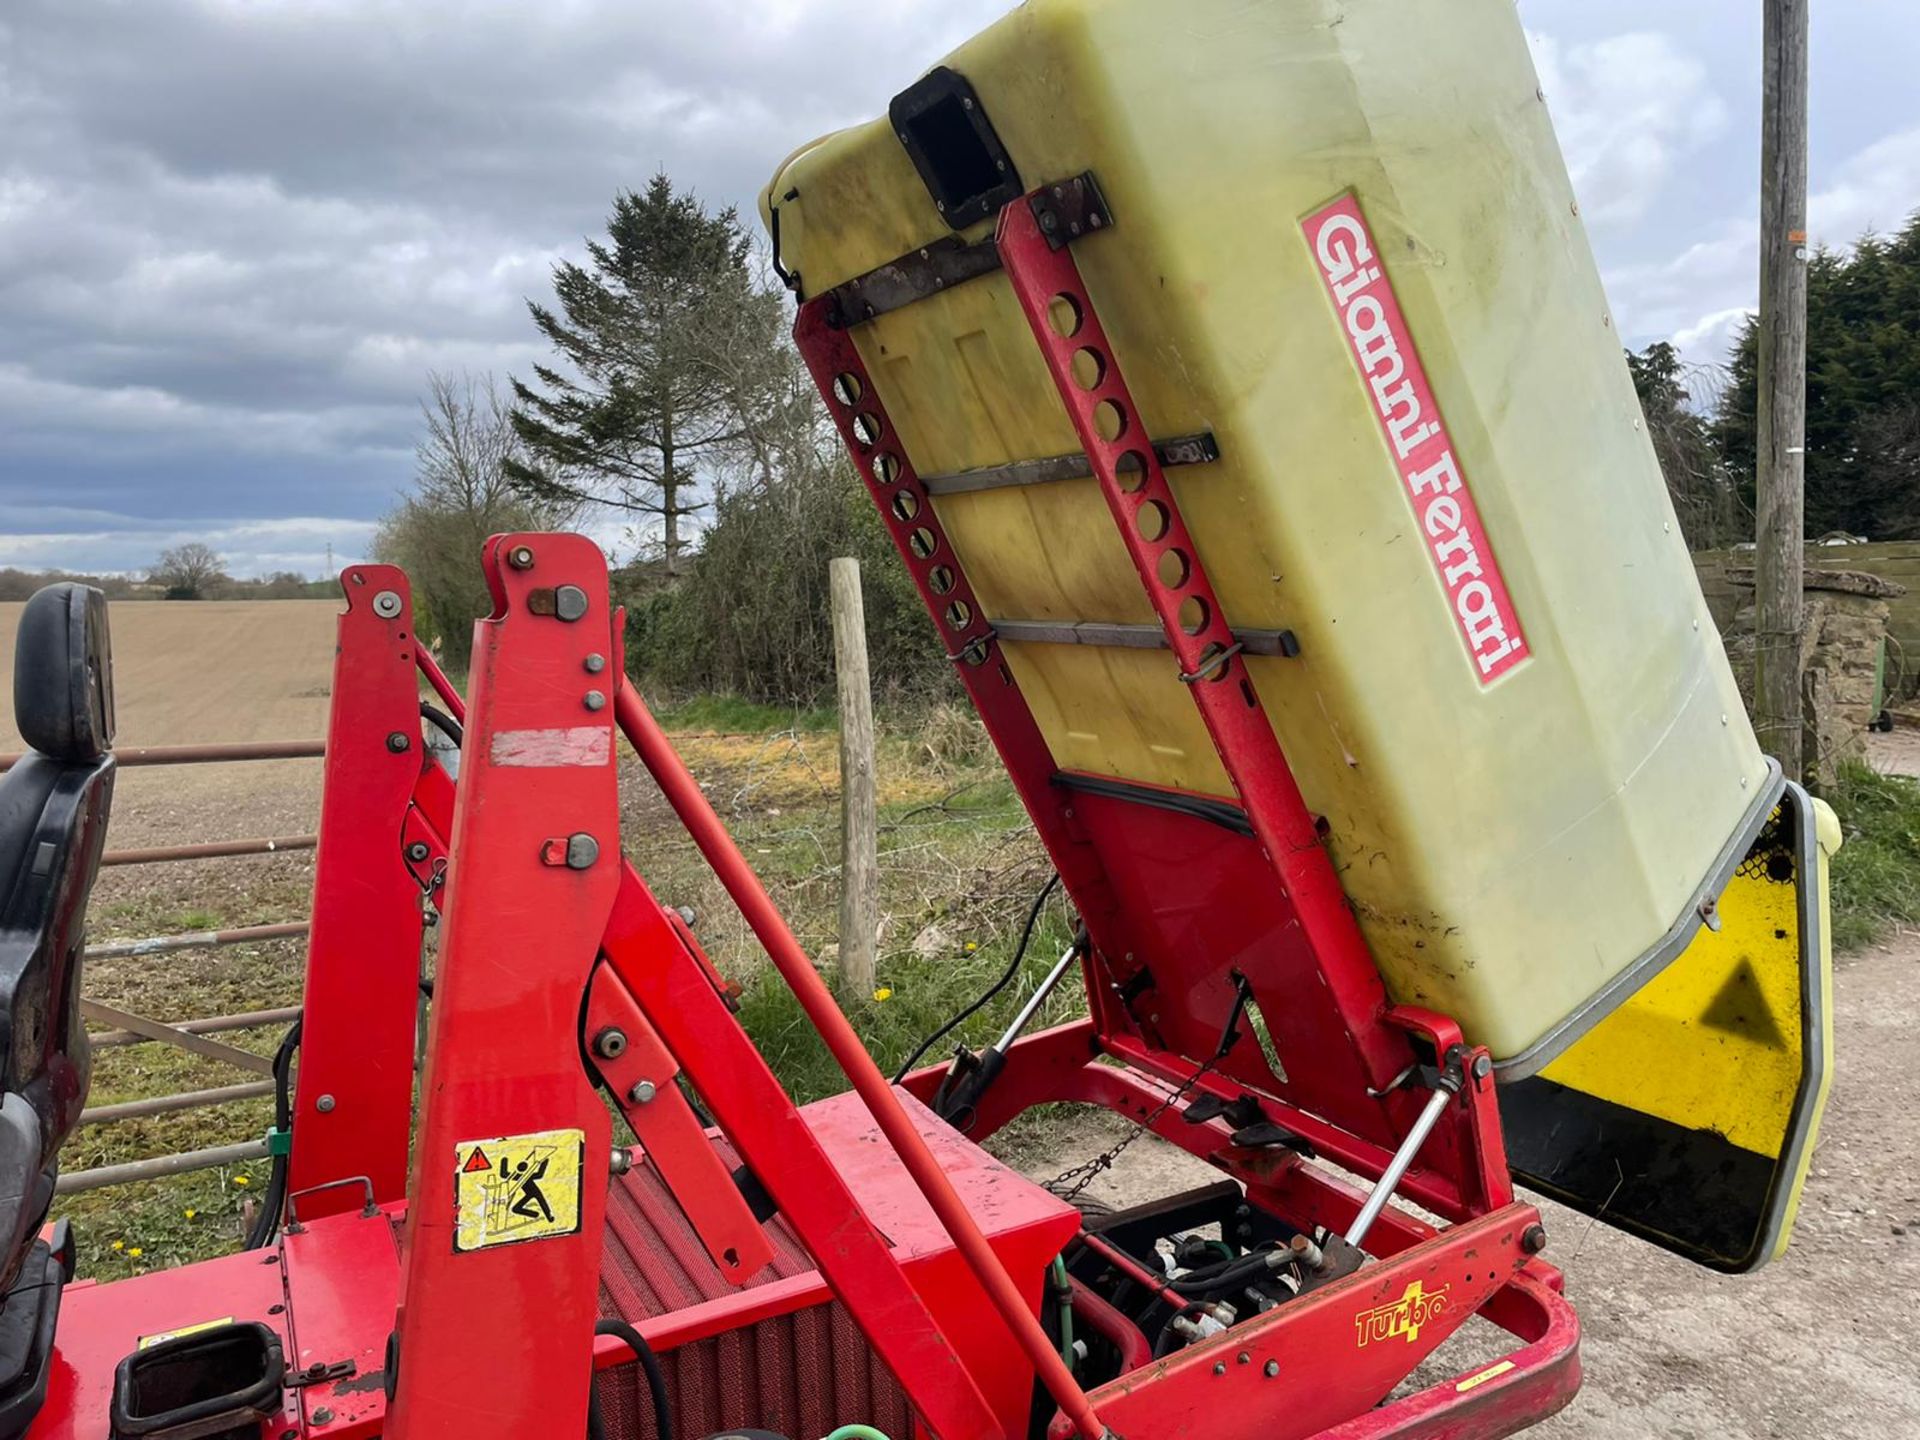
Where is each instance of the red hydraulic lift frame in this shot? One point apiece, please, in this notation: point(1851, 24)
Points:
point(663, 995)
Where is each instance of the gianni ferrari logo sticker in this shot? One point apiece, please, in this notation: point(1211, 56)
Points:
point(1415, 432)
point(1403, 1318)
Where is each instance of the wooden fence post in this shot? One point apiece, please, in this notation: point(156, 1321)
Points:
point(859, 812)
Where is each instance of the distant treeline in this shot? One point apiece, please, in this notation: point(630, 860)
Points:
point(16, 584)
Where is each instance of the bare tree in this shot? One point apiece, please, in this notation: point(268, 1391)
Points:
point(188, 571)
point(461, 495)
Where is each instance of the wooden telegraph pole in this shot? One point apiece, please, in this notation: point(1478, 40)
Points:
point(1780, 485)
point(859, 811)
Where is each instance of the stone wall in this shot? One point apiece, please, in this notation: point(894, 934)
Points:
point(1847, 615)
point(1895, 560)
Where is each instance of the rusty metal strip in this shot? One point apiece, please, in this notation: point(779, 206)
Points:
point(1279, 643)
point(1198, 449)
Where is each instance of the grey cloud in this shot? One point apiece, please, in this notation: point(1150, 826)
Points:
point(234, 237)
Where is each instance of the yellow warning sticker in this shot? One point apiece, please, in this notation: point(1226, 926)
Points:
point(148, 1341)
point(514, 1188)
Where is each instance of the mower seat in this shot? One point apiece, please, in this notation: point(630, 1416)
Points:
point(53, 825)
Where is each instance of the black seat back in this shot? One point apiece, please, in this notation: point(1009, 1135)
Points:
point(53, 825)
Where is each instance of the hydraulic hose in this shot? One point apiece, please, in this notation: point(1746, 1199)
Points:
point(656, 1382)
point(1063, 1297)
point(267, 1223)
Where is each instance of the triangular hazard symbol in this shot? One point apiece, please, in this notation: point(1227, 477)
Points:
point(476, 1161)
point(1741, 1009)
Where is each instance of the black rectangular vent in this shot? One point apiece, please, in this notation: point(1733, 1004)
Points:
point(946, 132)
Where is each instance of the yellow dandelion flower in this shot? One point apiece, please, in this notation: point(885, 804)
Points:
point(241, 1180)
point(191, 1212)
point(135, 1251)
point(971, 947)
point(885, 992)
point(119, 1244)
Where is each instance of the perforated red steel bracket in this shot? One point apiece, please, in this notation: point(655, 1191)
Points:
point(907, 511)
point(353, 1099)
point(1087, 374)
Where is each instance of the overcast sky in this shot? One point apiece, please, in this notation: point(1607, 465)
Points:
point(236, 234)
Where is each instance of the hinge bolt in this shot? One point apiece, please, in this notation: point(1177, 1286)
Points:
point(610, 1043)
point(642, 1092)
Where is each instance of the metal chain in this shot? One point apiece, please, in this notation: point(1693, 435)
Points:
point(1085, 1173)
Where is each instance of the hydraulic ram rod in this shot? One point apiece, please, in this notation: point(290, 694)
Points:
point(684, 794)
point(1451, 1080)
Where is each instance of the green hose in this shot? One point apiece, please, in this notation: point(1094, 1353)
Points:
point(1063, 1288)
point(856, 1432)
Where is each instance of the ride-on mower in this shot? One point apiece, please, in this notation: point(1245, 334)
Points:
point(1238, 390)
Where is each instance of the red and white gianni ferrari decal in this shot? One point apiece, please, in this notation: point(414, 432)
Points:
point(1416, 433)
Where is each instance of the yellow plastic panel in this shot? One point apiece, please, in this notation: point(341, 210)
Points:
point(1688, 1114)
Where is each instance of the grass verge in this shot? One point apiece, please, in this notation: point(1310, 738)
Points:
point(1876, 876)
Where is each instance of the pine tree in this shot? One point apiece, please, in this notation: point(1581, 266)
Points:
point(663, 334)
point(1863, 390)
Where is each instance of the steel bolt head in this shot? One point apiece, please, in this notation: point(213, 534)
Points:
point(1482, 1066)
point(1533, 1239)
point(418, 851)
point(324, 1104)
point(1219, 1367)
point(323, 1415)
point(596, 700)
point(595, 664)
point(387, 604)
point(569, 602)
point(399, 742)
point(642, 1092)
point(521, 557)
point(1270, 1369)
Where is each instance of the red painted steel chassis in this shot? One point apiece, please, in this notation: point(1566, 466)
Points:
point(552, 940)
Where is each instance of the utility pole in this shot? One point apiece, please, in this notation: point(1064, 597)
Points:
point(1780, 485)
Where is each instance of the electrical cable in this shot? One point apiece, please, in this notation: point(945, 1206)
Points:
point(1006, 979)
point(267, 1223)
